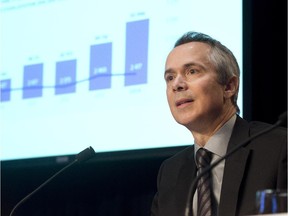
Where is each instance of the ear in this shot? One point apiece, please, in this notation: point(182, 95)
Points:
point(231, 87)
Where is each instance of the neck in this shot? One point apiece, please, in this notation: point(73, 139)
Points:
point(201, 137)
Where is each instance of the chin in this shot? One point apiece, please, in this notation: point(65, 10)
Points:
point(188, 120)
point(185, 122)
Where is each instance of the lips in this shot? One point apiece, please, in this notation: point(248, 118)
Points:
point(183, 101)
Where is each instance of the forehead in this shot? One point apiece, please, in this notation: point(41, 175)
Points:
point(193, 52)
point(190, 49)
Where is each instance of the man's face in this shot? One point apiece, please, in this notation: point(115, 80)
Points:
point(195, 97)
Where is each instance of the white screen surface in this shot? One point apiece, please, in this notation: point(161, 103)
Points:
point(90, 73)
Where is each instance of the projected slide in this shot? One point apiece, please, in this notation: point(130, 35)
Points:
point(77, 73)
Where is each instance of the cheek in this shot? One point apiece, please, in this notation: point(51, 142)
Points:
point(171, 103)
point(214, 95)
point(169, 99)
point(211, 91)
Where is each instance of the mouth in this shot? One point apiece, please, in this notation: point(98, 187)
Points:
point(183, 102)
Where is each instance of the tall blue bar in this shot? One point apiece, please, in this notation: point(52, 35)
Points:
point(136, 52)
point(100, 66)
point(32, 81)
point(65, 82)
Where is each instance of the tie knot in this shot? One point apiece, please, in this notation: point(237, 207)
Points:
point(203, 157)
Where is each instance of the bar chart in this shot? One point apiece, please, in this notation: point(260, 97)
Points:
point(100, 63)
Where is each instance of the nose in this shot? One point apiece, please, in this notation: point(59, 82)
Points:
point(179, 84)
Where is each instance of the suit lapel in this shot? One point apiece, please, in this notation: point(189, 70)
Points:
point(186, 174)
point(234, 170)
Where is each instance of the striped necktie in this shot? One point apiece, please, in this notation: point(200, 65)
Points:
point(204, 208)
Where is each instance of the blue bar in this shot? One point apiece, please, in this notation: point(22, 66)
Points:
point(65, 77)
point(136, 52)
point(100, 66)
point(33, 81)
point(5, 93)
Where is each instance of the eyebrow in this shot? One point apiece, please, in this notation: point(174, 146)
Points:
point(185, 66)
point(168, 71)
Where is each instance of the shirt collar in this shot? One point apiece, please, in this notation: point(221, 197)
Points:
point(217, 144)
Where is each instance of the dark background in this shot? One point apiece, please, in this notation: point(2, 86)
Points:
point(265, 59)
point(123, 183)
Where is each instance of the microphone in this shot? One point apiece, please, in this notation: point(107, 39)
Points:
point(282, 120)
point(84, 155)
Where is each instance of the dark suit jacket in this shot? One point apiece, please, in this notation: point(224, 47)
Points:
point(262, 164)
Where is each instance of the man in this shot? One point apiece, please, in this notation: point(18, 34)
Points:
point(202, 80)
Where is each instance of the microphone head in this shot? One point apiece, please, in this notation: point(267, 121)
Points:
point(86, 154)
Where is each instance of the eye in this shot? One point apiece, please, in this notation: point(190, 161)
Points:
point(191, 71)
point(169, 77)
